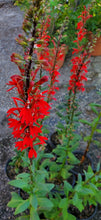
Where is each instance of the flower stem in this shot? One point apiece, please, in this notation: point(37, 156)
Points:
point(27, 71)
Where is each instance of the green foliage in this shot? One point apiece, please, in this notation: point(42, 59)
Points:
point(67, 15)
point(94, 125)
point(16, 199)
point(23, 205)
point(34, 183)
point(25, 217)
point(23, 4)
point(45, 204)
point(95, 22)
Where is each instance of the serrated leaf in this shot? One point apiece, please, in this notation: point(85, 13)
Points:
point(15, 200)
point(23, 205)
point(45, 204)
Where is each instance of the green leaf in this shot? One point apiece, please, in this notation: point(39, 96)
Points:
point(79, 205)
point(79, 178)
point(85, 122)
point(67, 187)
point(98, 197)
point(72, 158)
point(23, 175)
point(93, 187)
point(34, 201)
point(98, 130)
point(71, 217)
point(86, 191)
point(94, 122)
point(75, 199)
point(94, 109)
point(22, 206)
point(78, 188)
point(98, 143)
point(15, 200)
point(34, 214)
point(48, 155)
point(55, 167)
point(64, 173)
point(59, 114)
point(60, 125)
point(95, 104)
point(87, 138)
point(98, 167)
point(19, 184)
point(78, 202)
point(24, 217)
point(44, 187)
point(45, 204)
point(26, 161)
point(63, 203)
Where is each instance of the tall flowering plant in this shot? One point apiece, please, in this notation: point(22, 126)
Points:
point(32, 105)
point(47, 185)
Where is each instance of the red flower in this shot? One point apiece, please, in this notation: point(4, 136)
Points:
point(32, 153)
point(17, 82)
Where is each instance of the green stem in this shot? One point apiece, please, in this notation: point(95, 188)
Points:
point(90, 140)
point(86, 182)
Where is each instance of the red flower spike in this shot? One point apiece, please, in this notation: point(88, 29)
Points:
point(29, 114)
point(79, 65)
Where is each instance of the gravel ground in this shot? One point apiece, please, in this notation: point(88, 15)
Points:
point(10, 26)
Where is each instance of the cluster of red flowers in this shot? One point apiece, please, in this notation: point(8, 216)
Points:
point(30, 110)
point(28, 115)
point(79, 63)
point(49, 57)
